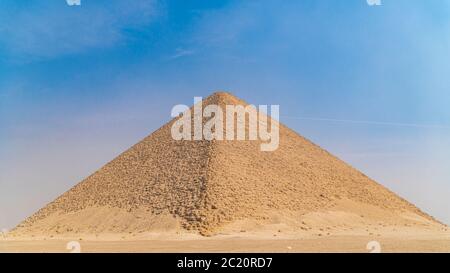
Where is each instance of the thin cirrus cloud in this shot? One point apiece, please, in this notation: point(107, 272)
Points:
point(181, 52)
point(44, 30)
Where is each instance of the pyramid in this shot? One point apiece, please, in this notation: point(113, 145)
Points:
point(208, 187)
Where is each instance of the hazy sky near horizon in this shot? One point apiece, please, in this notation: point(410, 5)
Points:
point(80, 84)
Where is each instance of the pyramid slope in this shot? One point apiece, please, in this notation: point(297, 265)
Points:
point(206, 186)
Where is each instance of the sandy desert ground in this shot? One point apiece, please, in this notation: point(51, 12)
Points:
point(328, 244)
point(394, 239)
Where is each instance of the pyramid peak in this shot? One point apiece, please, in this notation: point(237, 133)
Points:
point(220, 93)
point(223, 98)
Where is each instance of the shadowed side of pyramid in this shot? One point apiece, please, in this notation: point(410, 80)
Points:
point(208, 186)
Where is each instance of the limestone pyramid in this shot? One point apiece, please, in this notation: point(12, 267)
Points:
point(207, 187)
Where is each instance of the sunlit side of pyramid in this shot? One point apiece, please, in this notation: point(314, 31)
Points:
point(213, 187)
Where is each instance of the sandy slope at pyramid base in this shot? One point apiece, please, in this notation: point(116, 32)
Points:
point(347, 227)
point(391, 239)
point(100, 223)
point(345, 218)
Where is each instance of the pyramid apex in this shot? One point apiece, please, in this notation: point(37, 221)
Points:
point(222, 94)
point(223, 97)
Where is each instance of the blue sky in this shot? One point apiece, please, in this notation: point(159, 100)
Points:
point(80, 84)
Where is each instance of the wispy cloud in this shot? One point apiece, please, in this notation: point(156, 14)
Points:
point(49, 28)
point(371, 122)
point(181, 52)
